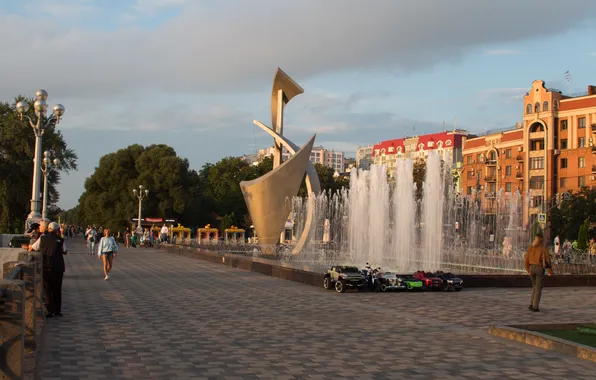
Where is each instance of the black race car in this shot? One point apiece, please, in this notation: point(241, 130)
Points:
point(450, 281)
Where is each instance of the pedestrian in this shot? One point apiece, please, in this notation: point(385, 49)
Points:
point(108, 248)
point(53, 248)
point(127, 236)
point(537, 261)
point(91, 236)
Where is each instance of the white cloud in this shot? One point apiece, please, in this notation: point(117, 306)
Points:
point(213, 47)
point(152, 6)
point(503, 52)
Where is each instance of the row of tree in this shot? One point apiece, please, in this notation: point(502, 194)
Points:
point(573, 215)
point(17, 147)
point(209, 196)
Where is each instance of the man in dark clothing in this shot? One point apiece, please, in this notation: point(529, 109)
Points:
point(52, 247)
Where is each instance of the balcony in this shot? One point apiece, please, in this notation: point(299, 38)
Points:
point(490, 162)
point(593, 126)
point(593, 169)
point(520, 158)
point(490, 178)
point(519, 175)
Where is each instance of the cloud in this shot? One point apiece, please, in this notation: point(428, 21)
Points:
point(152, 6)
point(503, 52)
point(211, 47)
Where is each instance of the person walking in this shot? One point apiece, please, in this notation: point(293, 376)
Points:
point(108, 248)
point(91, 236)
point(52, 247)
point(536, 262)
point(127, 236)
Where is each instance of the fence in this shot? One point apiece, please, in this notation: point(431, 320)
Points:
point(20, 303)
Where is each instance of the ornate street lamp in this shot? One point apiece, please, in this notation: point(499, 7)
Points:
point(39, 126)
point(47, 167)
point(140, 195)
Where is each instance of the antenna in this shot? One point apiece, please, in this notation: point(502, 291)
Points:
point(568, 79)
point(443, 125)
point(454, 123)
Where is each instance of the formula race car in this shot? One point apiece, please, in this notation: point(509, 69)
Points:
point(391, 281)
point(429, 280)
point(450, 281)
point(341, 277)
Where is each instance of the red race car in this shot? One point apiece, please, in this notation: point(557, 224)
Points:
point(429, 280)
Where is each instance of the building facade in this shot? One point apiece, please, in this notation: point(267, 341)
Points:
point(551, 152)
point(364, 157)
point(319, 155)
point(448, 144)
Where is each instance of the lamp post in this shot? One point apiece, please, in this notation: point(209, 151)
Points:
point(39, 126)
point(140, 195)
point(47, 167)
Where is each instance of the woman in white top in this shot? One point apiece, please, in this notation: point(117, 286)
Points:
point(107, 251)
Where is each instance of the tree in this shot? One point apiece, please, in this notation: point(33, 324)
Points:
point(571, 214)
point(582, 236)
point(419, 173)
point(17, 149)
point(173, 187)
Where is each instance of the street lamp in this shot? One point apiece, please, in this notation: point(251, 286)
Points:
point(140, 195)
point(39, 127)
point(47, 167)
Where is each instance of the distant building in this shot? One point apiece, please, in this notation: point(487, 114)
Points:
point(251, 159)
point(364, 157)
point(349, 163)
point(319, 155)
point(449, 146)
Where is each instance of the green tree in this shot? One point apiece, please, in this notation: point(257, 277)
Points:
point(419, 173)
point(582, 236)
point(17, 148)
point(173, 187)
point(569, 216)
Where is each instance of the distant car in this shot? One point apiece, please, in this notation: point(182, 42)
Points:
point(341, 277)
point(391, 281)
point(429, 280)
point(450, 281)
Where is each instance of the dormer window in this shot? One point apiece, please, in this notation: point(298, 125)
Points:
point(448, 142)
point(430, 144)
point(383, 151)
point(545, 106)
point(529, 109)
point(399, 150)
point(440, 145)
point(421, 147)
point(390, 149)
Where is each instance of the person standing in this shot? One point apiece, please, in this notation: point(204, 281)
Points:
point(107, 251)
point(52, 247)
point(127, 236)
point(164, 234)
point(557, 244)
point(536, 262)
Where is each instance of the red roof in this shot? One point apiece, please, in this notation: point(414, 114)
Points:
point(387, 143)
point(448, 140)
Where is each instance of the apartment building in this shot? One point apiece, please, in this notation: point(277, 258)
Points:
point(551, 152)
point(364, 157)
point(319, 155)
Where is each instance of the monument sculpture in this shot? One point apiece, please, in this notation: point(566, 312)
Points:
point(268, 197)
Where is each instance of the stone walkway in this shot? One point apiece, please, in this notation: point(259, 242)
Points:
point(168, 317)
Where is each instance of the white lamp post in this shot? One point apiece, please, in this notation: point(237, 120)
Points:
point(39, 126)
point(47, 167)
point(140, 195)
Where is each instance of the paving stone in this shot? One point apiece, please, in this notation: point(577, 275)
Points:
point(161, 316)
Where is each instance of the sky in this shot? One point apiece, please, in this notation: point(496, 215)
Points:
point(194, 74)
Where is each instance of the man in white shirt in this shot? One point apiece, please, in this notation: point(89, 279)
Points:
point(164, 233)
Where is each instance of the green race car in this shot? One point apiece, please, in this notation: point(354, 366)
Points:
point(411, 283)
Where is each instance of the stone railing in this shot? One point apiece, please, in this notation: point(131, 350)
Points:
point(20, 304)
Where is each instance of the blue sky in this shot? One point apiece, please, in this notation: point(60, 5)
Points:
point(195, 73)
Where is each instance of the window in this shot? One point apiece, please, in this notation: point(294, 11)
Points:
point(470, 160)
point(581, 122)
point(563, 163)
point(536, 145)
point(529, 109)
point(508, 153)
point(469, 190)
point(581, 142)
point(537, 201)
point(581, 162)
point(581, 181)
point(545, 106)
point(508, 187)
point(492, 155)
point(537, 183)
point(383, 151)
point(563, 125)
point(470, 174)
point(508, 170)
point(399, 150)
point(537, 107)
point(536, 127)
point(564, 144)
point(536, 162)
point(479, 158)
point(563, 183)
point(390, 149)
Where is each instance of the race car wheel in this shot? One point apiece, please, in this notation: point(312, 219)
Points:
point(383, 287)
point(327, 283)
point(340, 286)
point(408, 287)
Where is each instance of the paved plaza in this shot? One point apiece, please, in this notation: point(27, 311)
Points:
point(168, 317)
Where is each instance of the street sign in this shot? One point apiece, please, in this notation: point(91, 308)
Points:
point(542, 218)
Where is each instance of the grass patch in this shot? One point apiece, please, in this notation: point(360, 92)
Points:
point(573, 336)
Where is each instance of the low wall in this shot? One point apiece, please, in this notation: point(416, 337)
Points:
point(282, 270)
point(9, 254)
